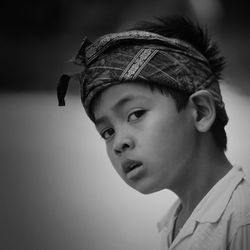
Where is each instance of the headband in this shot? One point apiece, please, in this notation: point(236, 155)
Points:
point(140, 56)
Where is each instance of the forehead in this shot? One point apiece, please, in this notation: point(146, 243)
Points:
point(120, 94)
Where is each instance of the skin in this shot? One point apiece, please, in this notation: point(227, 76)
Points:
point(176, 149)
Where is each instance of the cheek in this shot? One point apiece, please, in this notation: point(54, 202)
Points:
point(169, 136)
point(109, 153)
point(112, 157)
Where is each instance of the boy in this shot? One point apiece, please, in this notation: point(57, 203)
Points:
point(153, 95)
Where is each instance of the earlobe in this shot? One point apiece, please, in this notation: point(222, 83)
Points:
point(204, 111)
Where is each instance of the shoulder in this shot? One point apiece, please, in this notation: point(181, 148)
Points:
point(239, 204)
point(237, 212)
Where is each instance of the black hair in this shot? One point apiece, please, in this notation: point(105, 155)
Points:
point(192, 33)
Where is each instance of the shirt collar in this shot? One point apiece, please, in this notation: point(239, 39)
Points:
point(169, 216)
point(212, 206)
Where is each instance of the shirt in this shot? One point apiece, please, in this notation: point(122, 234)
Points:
point(221, 220)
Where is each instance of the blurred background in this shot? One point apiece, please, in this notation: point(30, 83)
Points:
point(57, 188)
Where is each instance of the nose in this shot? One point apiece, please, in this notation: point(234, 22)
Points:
point(122, 143)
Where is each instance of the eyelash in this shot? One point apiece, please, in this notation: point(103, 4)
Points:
point(137, 112)
point(104, 132)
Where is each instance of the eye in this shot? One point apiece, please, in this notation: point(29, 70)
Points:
point(136, 115)
point(107, 133)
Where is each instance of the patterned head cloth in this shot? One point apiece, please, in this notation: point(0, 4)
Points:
point(140, 56)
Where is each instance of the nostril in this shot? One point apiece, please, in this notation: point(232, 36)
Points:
point(123, 142)
point(121, 148)
point(117, 151)
point(125, 145)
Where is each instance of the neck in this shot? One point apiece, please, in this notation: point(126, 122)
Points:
point(207, 167)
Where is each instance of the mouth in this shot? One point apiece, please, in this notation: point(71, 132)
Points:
point(132, 168)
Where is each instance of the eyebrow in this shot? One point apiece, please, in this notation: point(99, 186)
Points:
point(117, 106)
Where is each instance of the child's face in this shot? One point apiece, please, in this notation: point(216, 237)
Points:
point(148, 142)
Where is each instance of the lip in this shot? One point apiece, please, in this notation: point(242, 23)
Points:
point(131, 168)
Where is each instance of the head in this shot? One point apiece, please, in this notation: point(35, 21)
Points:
point(151, 143)
point(154, 97)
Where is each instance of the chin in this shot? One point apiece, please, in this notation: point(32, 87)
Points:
point(146, 189)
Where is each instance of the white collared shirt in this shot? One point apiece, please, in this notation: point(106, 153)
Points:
point(221, 221)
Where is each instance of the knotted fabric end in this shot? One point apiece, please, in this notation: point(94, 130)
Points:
point(62, 89)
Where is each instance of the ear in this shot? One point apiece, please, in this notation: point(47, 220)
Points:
point(204, 111)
